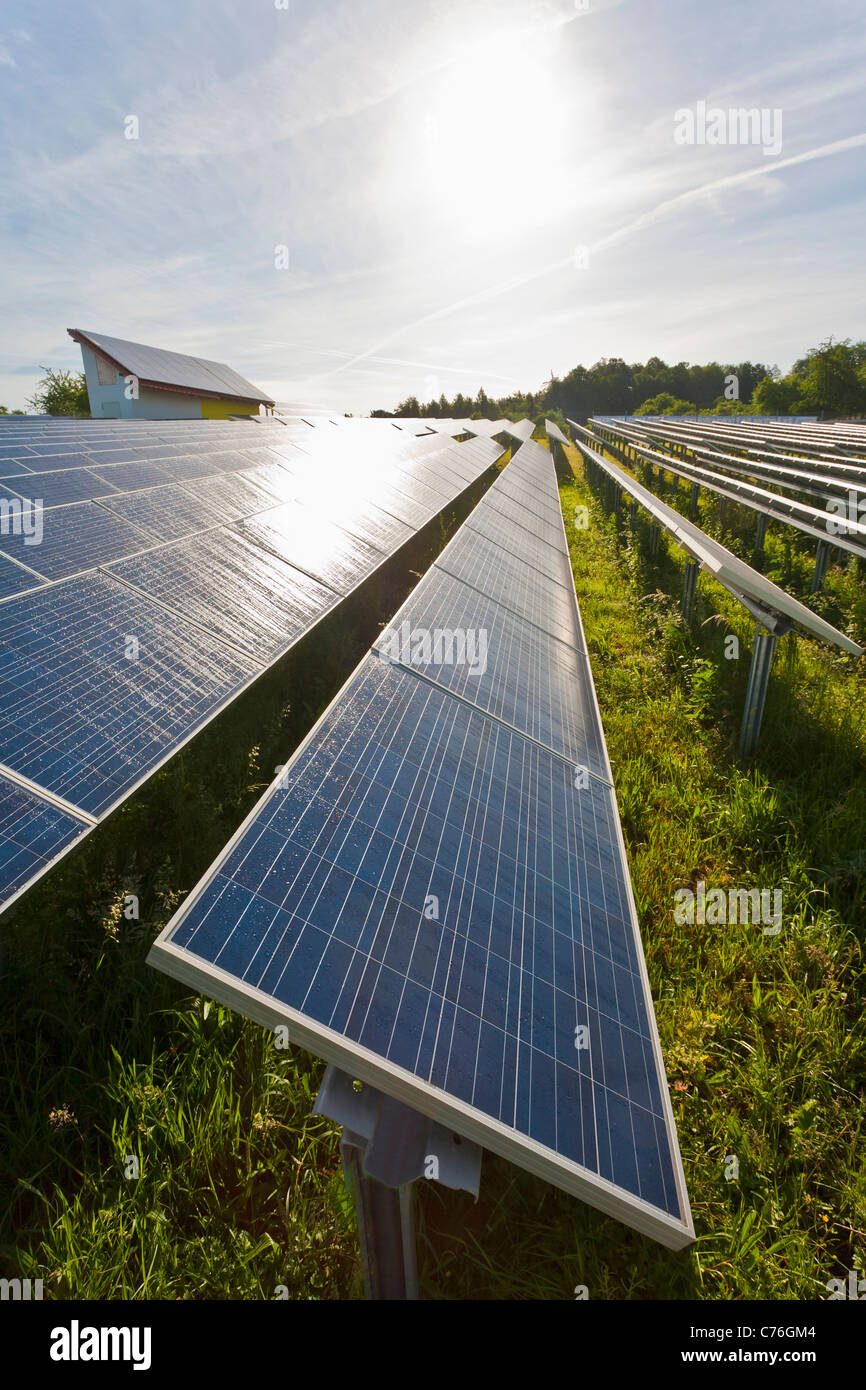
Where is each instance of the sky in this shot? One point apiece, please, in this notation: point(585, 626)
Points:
point(354, 201)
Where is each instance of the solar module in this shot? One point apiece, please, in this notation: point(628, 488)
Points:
point(310, 542)
point(56, 489)
point(97, 686)
point(15, 579)
point(76, 537)
point(744, 582)
point(232, 588)
point(33, 835)
point(540, 598)
point(164, 513)
point(434, 897)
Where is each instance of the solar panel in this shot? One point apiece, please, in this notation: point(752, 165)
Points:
point(746, 583)
point(496, 660)
point(230, 496)
point(546, 558)
point(126, 477)
point(33, 834)
point(309, 541)
point(164, 513)
point(97, 686)
point(14, 579)
point(52, 462)
point(512, 582)
point(74, 538)
point(56, 489)
point(84, 725)
point(437, 901)
point(232, 588)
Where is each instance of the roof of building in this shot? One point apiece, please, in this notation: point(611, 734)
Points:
point(171, 371)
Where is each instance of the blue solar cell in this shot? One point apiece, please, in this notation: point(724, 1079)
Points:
point(74, 538)
point(239, 592)
point(9, 453)
point(127, 477)
point(432, 887)
point(56, 489)
point(97, 685)
point(33, 833)
point(54, 462)
point(15, 580)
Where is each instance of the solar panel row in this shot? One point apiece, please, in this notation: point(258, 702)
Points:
point(131, 621)
point(434, 894)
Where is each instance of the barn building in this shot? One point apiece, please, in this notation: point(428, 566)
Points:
point(132, 381)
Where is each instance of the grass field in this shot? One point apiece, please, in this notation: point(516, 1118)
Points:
point(240, 1191)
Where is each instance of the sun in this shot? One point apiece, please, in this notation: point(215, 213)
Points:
point(493, 124)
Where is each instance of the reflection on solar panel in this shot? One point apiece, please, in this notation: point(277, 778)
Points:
point(434, 895)
point(234, 589)
point(130, 621)
point(313, 544)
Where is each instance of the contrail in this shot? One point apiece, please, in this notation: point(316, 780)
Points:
point(646, 219)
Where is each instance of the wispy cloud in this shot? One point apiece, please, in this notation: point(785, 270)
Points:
point(432, 170)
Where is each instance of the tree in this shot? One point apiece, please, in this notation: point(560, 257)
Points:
point(775, 396)
point(829, 378)
point(4, 410)
point(665, 404)
point(61, 393)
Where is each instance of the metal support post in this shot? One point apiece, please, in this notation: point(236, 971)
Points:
point(690, 584)
point(822, 557)
point(760, 536)
point(723, 511)
point(655, 533)
point(386, 1147)
point(693, 505)
point(632, 515)
point(763, 649)
point(386, 1233)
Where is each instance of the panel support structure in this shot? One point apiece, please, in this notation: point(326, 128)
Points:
point(690, 584)
point(386, 1233)
point(385, 1147)
point(822, 557)
point(693, 504)
point(655, 534)
point(760, 536)
point(763, 649)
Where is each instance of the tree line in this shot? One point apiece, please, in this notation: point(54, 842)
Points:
point(829, 381)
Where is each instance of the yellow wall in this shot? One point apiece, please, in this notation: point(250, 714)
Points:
point(218, 410)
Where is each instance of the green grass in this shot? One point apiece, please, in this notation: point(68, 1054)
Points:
point(240, 1190)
